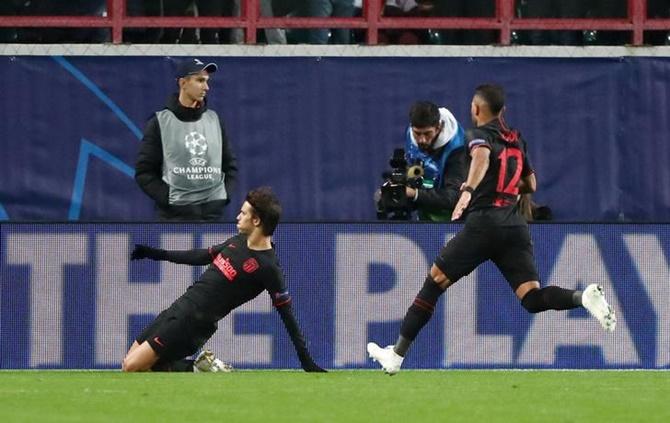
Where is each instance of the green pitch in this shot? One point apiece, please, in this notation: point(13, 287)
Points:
point(339, 396)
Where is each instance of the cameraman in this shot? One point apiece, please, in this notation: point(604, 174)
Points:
point(435, 141)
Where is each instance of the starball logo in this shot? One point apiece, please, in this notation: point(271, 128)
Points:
point(196, 144)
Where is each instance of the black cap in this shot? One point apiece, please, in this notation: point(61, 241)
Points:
point(193, 66)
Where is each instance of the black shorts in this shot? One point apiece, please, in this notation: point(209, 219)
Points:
point(176, 333)
point(508, 247)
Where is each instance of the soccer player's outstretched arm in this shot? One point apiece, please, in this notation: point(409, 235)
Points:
point(281, 300)
point(195, 257)
point(291, 324)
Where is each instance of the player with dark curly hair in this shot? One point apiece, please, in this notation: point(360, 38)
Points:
point(239, 270)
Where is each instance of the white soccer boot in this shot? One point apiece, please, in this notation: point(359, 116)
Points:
point(593, 299)
point(207, 362)
point(386, 357)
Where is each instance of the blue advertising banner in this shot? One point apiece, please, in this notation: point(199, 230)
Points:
point(70, 298)
point(321, 130)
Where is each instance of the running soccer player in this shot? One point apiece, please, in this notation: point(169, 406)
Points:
point(494, 230)
point(239, 269)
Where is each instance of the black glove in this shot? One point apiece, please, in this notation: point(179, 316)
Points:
point(144, 251)
point(310, 366)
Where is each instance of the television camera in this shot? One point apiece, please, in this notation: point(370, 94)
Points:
point(392, 201)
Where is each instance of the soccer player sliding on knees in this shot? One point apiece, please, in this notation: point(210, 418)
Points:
point(239, 270)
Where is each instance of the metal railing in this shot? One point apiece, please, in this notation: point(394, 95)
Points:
point(636, 22)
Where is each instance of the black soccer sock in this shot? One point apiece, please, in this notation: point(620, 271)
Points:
point(418, 314)
point(551, 298)
point(173, 366)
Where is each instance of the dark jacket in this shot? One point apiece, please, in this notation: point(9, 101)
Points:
point(149, 168)
point(437, 204)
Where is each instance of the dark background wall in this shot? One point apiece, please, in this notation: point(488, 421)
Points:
point(320, 130)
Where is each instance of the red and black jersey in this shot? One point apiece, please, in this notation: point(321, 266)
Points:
point(495, 199)
point(235, 276)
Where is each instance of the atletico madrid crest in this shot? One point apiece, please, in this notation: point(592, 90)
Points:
point(250, 265)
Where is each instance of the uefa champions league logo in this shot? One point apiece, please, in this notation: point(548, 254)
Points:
point(196, 144)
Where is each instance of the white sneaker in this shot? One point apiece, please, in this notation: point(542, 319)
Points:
point(389, 360)
point(593, 299)
point(207, 362)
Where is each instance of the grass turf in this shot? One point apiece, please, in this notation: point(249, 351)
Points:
point(339, 396)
